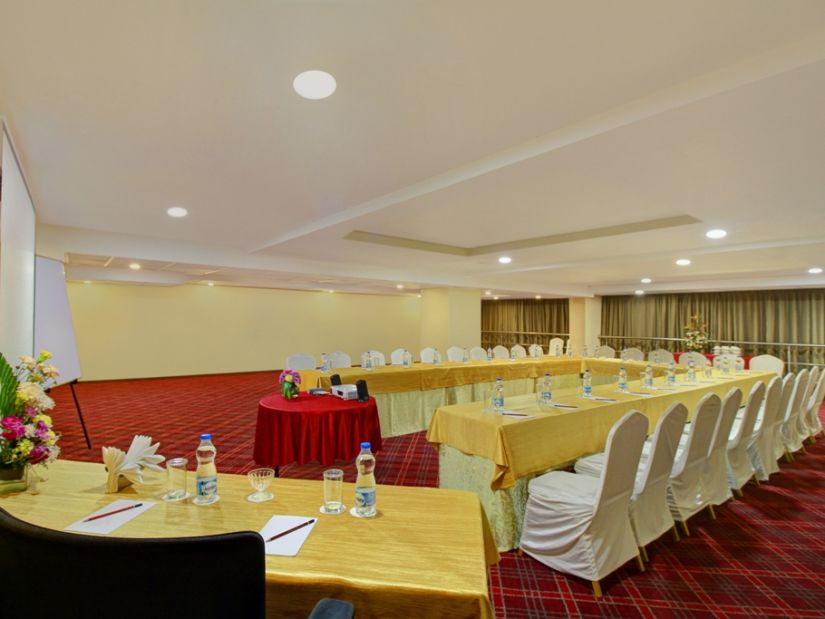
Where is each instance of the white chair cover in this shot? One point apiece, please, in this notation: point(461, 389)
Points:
point(556, 347)
point(699, 360)
point(815, 403)
point(788, 384)
point(397, 356)
point(743, 433)
point(455, 353)
point(477, 353)
point(790, 429)
point(718, 359)
point(339, 359)
point(579, 524)
point(377, 357)
point(685, 496)
point(604, 351)
point(660, 355)
point(535, 350)
point(300, 361)
point(805, 430)
point(760, 447)
point(427, 355)
point(633, 354)
point(518, 351)
point(767, 363)
point(715, 475)
point(501, 352)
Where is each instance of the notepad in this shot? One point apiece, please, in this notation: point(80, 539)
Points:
point(107, 524)
point(290, 544)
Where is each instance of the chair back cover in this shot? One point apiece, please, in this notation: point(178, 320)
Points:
point(536, 350)
point(633, 354)
point(740, 466)
point(604, 351)
point(300, 361)
point(518, 351)
point(477, 353)
point(718, 359)
point(814, 425)
point(699, 360)
point(660, 355)
point(715, 476)
point(762, 448)
point(455, 353)
point(501, 352)
point(556, 347)
point(397, 356)
point(377, 357)
point(427, 355)
point(790, 429)
point(767, 363)
point(621, 459)
point(339, 359)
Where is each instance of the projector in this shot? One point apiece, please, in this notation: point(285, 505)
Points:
point(345, 392)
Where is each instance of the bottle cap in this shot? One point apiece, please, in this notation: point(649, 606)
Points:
point(365, 445)
point(206, 437)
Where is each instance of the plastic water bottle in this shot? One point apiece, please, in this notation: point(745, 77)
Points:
point(365, 483)
point(436, 357)
point(623, 380)
point(324, 363)
point(587, 384)
point(546, 390)
point(489, 354)
point(512, 354)
point(671, 373)
point(740, 364)
point(406, 359)
point(648, 379)
point(206, 475)
point(465, 356)
point(367, 362)
point(498, 395)
point(569, 350)
point(691, 373)
point(725, 365)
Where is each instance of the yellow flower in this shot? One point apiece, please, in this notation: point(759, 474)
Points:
point(44, 418)
point(25, 446)
point(44, 355)
point(288, 378)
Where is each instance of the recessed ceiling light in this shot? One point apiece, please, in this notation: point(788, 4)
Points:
point(331, 291)
point(400, 286)
point(488, 292)
point(87, 281)
point(647, 280)
point(538, 296)
point(135, 266)
point(314, 84)
point(716, 233)
point(177, 211)
point(639, 293)
point(683, 262)
point(505, 259)
point(210, 284)
point(418, 295)
point(815, 270)
point(495, 298)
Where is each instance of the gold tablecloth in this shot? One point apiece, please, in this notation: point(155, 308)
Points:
point(425, 555)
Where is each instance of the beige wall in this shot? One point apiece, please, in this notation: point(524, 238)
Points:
point(585, 323)
point(134, 331)
point(450, 317)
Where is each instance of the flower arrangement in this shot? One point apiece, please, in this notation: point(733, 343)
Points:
point(289, 381)
point(696, 334)
point(26, 435)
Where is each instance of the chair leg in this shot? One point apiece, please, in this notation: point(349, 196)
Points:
point(519, 551)
point(643, 552)
point(639, 563)
point(711, 512)
point(685, 529)
point(788, 457)
point(756, 479)
point(597, 589)
point(803, 449)
point(676, 534)
point(738, 492)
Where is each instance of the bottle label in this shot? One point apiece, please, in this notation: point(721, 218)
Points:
point(206, 486)
point(588, 390)
point(546, 396)
point(365, 498)
point(498, 402)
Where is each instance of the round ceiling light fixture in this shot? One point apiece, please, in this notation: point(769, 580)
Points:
point(815, 270)
point(210, 284)
point(177, 212)
point(314, 84)
point(505, 259)
point(538, 297)
point(495, 298)
point(135, 266)
point(647, 280)
point(683, 262)
point(716, 233)
point(488, 292)
point(639, 293)
point(400, 286)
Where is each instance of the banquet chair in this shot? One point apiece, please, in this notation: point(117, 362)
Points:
point(501, 352)
point(814, 404)
point(788, 384)
point(518, 352)
point(791, 439)
point(378, 358)
point(760, 447)
point(456, 353)
point(633, 354)
point(427, 355)
point(660, 355)
point(684, 495)
point(742, 434)
point(579, 524)
point(699, 360)
point(477, 353)
point(339, 359)
point(767, 363)
point(650, 516)
point(806, 430)
point(139, 578)
point(556, 347)
point(536, 350)
point(719, 359)
point(604, 351)
point(300, 361)
point(715, 487)
point(397, 356)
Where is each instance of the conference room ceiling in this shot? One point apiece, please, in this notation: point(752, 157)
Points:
point(464, 124)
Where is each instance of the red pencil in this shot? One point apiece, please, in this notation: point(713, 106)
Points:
point(288, 531)
point(112, 513)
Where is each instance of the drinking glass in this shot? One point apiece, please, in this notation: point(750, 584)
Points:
point(333, 492)
point(488, 400)
point(260, 480)
point(175, 479)
point(708, 371)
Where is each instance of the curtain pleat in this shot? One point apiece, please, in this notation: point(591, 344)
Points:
point(523, 321)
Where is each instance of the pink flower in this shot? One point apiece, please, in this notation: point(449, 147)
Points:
point(42, 431)
point(296, 377)
point(14, 428)
point(38, 454)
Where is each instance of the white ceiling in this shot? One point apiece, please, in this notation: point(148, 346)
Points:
point(465, 123)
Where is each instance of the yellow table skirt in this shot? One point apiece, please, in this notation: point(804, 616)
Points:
point(425, 555)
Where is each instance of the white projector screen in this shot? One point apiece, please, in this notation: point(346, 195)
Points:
point(53, 327)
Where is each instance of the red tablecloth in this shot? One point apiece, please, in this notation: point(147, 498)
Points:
point(314, 428)
point(710, 356)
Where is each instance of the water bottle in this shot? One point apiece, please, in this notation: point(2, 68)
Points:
point(324, 363)
point(671, 373)
point(406, 359)
point(498, 395)
point(708, 371)
point(489, 354)
point(648, 379)
point(569, 350)
point(587, 384)
point(691, 373)
point(623, 380)
point(365, 483)
point(206, 475)
point(546, 390)
point(740, 364)
point(367, 361)
point(512, 354)
point(536, 353)
point(465, 356)
point(725, 365)
point(436, 357)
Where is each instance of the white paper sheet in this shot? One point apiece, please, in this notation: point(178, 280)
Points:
point(107, 524)
point(290, 544)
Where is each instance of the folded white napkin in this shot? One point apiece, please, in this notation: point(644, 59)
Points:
point(130, 465)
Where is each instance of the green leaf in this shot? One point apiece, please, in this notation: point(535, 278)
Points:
point(8, 387)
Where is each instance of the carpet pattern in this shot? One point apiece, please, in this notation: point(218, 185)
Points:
point(763, 557)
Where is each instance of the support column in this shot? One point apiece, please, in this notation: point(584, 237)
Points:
point(450, 317)
point(585, 322)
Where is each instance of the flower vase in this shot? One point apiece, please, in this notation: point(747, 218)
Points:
point(289, 390)
point(13, 478)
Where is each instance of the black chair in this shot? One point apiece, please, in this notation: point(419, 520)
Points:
point(86, 576)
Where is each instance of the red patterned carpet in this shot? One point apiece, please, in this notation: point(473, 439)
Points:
point(763, 557)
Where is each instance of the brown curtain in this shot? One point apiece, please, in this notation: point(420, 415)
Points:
point(787, 316)
point(523, 321)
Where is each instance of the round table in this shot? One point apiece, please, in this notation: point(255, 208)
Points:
point(314, 429)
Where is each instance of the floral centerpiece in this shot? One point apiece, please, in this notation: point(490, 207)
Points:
point(289, 381)
point(696, 334)
point(26, 435)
